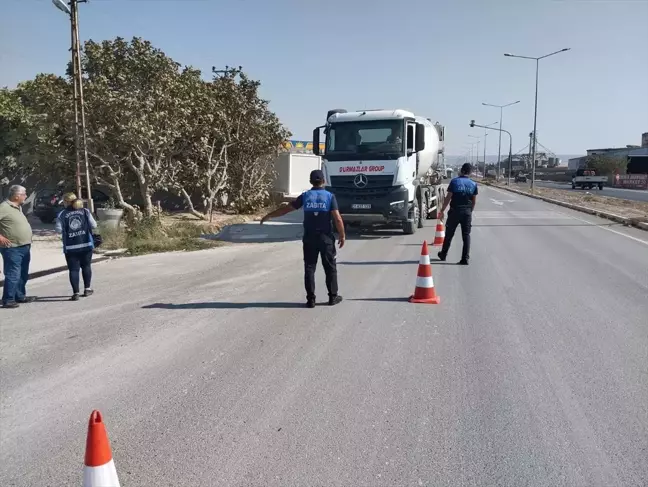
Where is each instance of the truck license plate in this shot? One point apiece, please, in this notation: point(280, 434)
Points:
point(361, 206)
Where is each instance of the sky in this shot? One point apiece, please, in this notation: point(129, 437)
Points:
point(439, 59)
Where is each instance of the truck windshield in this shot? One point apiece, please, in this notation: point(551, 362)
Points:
point(375, 139)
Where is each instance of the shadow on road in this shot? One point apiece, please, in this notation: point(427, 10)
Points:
point(223, 305)
point(382, 300)
point(51, 299)
point(548, 225)
point(380, 262)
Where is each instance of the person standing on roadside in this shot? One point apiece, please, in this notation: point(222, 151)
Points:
point(75, 224)
point(15, 247)
point(320, 211)
point(462, 196)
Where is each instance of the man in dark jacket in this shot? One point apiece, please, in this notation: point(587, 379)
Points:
point(462, 196)
point(320, 211)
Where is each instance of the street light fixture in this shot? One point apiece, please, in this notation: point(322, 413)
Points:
point(72, 11)
point(499, 145)
point(535, 112)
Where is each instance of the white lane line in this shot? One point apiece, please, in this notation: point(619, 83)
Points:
point(498, 203)
point(645, 242)
point(598, 225)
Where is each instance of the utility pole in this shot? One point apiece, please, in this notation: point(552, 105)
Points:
point(80, 140)
point(499, 145)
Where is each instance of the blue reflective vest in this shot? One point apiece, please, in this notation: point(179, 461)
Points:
point(317, 211)
point(77, 233)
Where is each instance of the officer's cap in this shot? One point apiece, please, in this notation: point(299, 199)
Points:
point(316, 176)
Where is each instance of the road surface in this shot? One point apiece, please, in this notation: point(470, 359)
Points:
point(209, 372)
point(624, 194)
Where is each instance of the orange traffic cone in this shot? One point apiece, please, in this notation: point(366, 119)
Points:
point(99, 469)
point(424, 291)
point(439, 236)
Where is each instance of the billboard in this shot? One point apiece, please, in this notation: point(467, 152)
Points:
point(300, 146)
point(631, 181)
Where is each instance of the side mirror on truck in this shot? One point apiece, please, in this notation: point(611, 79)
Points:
point(316, 141)
point(420, 137)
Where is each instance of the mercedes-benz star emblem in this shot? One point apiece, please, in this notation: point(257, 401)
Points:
point(360, 181)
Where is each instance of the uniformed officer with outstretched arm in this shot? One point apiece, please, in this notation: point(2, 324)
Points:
point(320, 210)
point(462, 196)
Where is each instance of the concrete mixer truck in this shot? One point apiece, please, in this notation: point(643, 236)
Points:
point(383, 166)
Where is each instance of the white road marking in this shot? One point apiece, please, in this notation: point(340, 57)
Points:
point(498, 203)
point(645, 242)
point(598, 225)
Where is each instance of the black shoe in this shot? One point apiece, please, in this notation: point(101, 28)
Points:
point(11, 305)
point(333, 300)
point(25, 300)
point(87, 293)
point(462, 262)
point(75, 297)
point(442, 257)
point(310, 303)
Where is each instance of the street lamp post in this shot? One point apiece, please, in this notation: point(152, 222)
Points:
point(477, 151)
point(486, 135)
point(499, 145)
point(72, 11)
point(535, 111)
point(487, 127)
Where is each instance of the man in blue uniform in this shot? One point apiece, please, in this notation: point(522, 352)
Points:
point(320, 211)
point(462, 195)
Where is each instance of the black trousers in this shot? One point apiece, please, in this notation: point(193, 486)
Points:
point(458, 217)
point(314, 246)
point(79, 261)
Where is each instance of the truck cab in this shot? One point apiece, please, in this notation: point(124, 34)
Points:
point(378, 163)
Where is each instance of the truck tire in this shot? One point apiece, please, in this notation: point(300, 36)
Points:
point(600, 186)
point(424, 210)
point(409, 228)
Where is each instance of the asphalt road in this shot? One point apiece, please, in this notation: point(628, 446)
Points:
point(531, 372)
point(624, 194)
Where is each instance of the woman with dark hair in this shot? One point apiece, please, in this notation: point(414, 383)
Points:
point(75, 224)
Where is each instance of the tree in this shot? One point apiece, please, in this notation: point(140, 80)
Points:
point(606, 165)
point(36, 138)
point(251, 171)
point(137, 103)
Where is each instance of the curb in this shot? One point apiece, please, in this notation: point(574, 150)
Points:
point(629, 222)
point(54, 270)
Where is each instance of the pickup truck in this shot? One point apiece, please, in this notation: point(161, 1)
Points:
point(587, 178)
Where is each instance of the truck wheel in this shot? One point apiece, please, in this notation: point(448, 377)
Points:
point(424, 210)
point(600, 187)
point(409, 228)
point(573, 186)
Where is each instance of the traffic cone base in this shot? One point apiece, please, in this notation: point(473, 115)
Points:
point(424, 292)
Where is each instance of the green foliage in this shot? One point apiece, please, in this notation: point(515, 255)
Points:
point(152, 125)
point(607, 165)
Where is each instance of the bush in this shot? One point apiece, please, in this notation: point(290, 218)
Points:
point(149, 235)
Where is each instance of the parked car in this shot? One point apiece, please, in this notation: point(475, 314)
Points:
point(521, 178)
point(49, 202)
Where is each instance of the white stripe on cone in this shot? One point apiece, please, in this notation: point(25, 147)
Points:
point(104, 476)
point(425, 282)
point(441, 234)
point(425, 260)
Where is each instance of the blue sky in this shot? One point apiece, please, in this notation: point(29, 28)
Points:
point(440, 59)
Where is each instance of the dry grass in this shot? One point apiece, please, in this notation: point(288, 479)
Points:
point(169, 233)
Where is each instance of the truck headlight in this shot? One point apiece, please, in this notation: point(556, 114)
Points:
point(397, 205)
